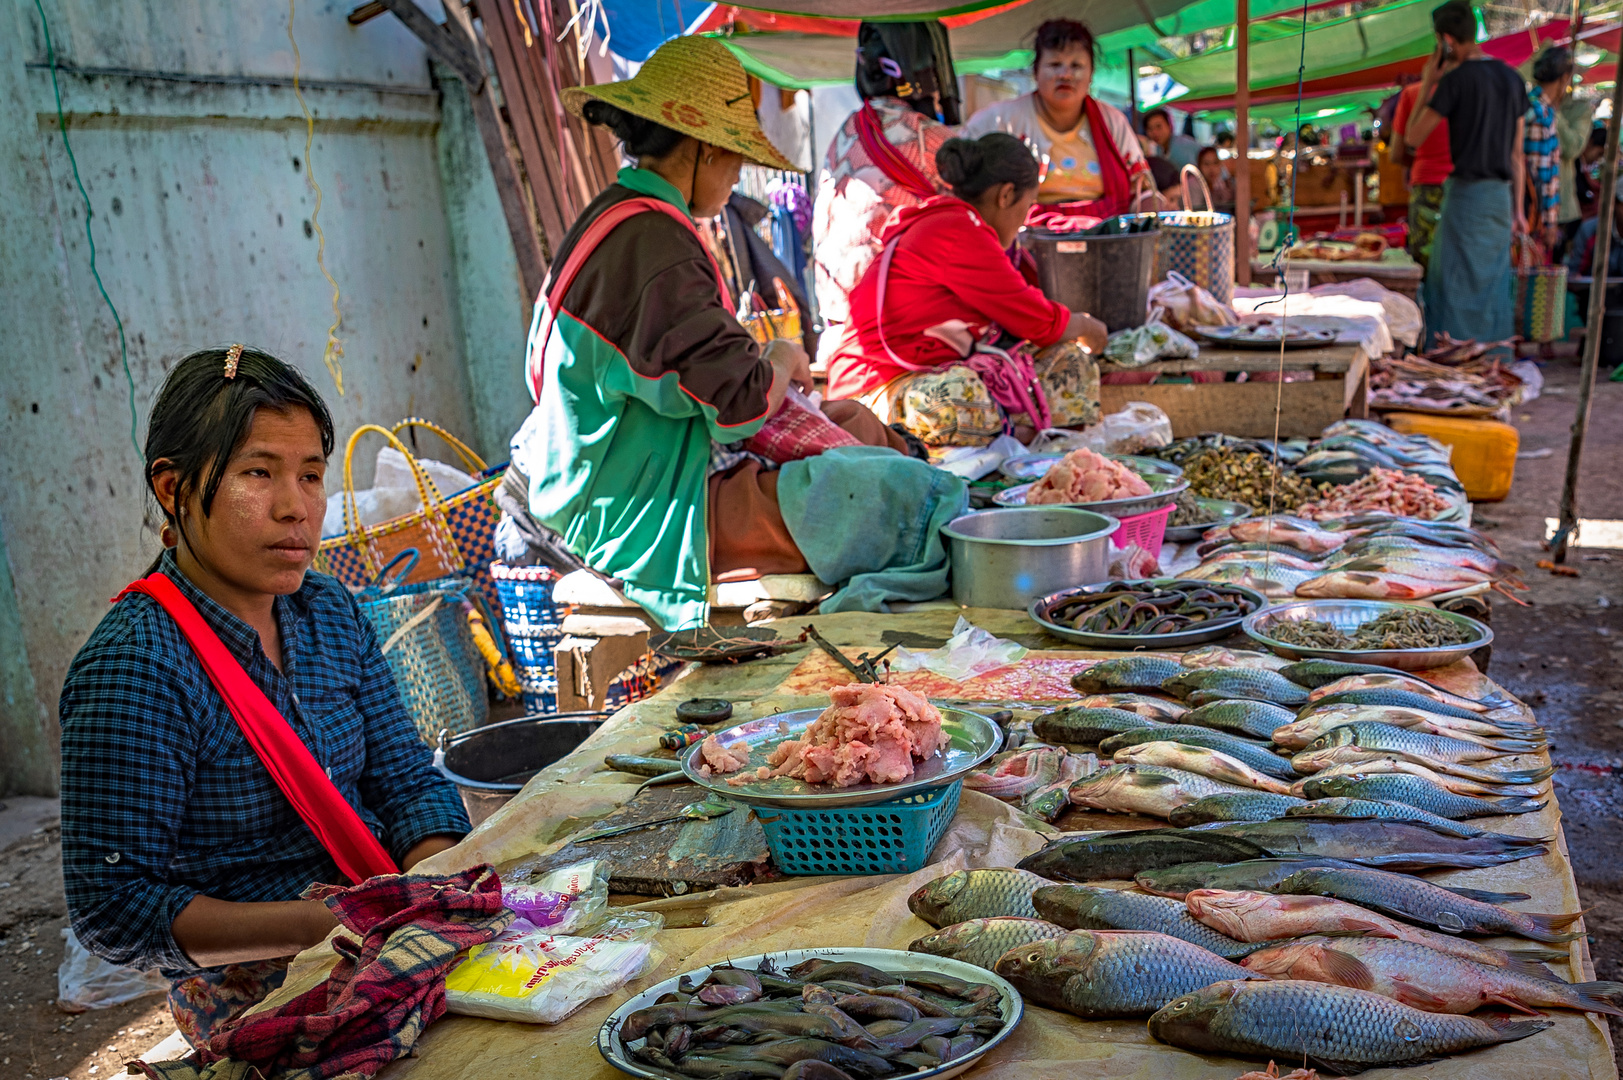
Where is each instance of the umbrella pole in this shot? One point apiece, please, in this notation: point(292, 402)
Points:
point(1242, 142)
point(1132, 90)
point(1593, 330)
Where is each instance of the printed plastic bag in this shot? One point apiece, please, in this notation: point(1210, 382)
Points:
point(1145, 344)
point(1181, 304)
point(535, 976)
point(570, 900)
point(86, 981)
point(969, 652)
point(1139, 427)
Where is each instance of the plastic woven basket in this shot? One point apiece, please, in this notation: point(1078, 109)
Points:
point(526, 596)
point(881, 838)
point(1147, 530)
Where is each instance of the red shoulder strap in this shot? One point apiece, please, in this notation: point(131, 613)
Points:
point(890, 161)
point(550, 302)
point(306, 785)
point(1112, 166)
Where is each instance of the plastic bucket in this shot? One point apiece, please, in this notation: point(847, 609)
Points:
point(1106, 276)
point(490, 764)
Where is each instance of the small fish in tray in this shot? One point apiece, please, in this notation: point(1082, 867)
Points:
point(1144, 609)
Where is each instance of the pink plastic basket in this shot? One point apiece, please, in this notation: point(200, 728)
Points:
point(1147, 530)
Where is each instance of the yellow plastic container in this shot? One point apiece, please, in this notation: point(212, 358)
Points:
point(1484, 455)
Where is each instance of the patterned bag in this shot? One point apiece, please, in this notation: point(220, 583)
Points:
point(454, 536)
point(1541, 292)
point(1198, 244)
point(798, 430)
point(424, 634)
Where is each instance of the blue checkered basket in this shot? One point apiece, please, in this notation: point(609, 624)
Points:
point(454, 535)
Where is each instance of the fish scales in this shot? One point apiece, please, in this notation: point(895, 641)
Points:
point(1156, 708)
point(1253, 753)
point(1260, 874)
point(976, 894)
point(1121, 855)
point(1417, 792)
point(982, 941)
point(1296, 734)
point(1249, 683)
point(1127, 673)
point(1397, 680)
point(1336, 1027)
point(1422, 902)
point(1088, 725)
point(1105, 974)
point(1404, 699)
point(1254, 719)
point(1213, 764)
point(1371, 736)
point(1155, 790)
point(1080, 907)
point(1392, 844)
point(1345, 808)
point(1236, 806)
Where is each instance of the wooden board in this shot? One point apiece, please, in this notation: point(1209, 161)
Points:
point(1247, 409)
point(677, 858)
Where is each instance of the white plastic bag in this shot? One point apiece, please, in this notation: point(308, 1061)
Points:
point(974, 462)
point(1139, 427)
point(969, 652)
point(570, 900)
point(393, 492)
point(538, 977)
point(1145, 344)
point(86, 981)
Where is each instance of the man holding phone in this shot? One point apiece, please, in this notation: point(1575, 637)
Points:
point(1468, 282)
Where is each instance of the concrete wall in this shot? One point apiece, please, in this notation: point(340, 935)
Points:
point(191, 146)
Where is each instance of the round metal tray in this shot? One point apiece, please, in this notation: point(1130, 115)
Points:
point(972, 739)
point(1224, 512)
point(1010, 1004)
point(1164, 488)
point(1347, 616)
point(1209, 632)
point(1033, 466)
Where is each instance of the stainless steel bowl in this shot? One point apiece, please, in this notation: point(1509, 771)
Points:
point(1033, 466)
point(1223, 512)
point(1007, 557)
point(1164, 488)
point(1041, 606)
point(1347, 616)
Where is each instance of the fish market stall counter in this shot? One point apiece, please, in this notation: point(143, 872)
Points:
point(774, 915)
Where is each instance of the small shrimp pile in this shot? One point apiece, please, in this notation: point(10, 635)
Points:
point(1083, 476)
point(1391, 490)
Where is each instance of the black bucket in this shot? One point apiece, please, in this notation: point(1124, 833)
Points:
point(490, 764)
point(1106, 276)
point(1611, 339)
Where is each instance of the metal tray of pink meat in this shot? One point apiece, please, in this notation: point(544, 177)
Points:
point(972, 738)
point(1164, 488)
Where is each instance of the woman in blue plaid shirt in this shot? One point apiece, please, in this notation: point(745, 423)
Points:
point(179, 851)
point(1552, 77)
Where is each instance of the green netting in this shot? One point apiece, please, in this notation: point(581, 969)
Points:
point(1383, 36)
point(1318, 111)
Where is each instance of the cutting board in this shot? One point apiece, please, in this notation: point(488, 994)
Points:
point(675, 858)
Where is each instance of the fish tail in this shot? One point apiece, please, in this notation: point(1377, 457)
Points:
point(1601, 997)
point(1533, 955)
point(1542, 927)
point(1517, 806)
point(1509, 1029)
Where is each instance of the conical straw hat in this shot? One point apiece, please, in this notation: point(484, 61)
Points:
point(694, 85)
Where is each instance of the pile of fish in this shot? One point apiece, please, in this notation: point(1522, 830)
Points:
point(1454, 377)
point(1278, 916)
point(820, 1020)
point(1374, 556)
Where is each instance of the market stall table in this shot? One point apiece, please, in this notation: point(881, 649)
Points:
point(872, 911)
point(1338, 388)
point(1401, 277)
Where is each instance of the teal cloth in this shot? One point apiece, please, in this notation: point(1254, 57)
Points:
point(1469, 291)
point(868, 520)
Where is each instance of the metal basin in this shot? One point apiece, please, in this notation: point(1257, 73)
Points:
point(490, 764)
point(1007, 557)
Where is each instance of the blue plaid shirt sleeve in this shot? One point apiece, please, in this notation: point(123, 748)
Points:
point(397, 762)
point(126, 769)
point(1542, 147)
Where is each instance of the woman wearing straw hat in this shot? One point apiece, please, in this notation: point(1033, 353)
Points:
point(643, 378)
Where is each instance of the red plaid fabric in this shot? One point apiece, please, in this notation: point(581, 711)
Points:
point(384, 991)
point(795, 432)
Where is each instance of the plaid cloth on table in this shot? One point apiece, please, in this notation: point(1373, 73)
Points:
point(383, 992)
point(1543, 150)
point(163, 798)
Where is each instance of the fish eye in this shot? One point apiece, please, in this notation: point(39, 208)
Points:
point(1179, 1006)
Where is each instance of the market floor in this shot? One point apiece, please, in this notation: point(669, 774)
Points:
point(1563, 654)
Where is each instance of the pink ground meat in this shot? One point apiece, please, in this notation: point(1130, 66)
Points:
point(1083, 476)
point(871, 732)
point(723, 759)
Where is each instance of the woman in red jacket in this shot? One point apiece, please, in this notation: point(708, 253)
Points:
point(942, 322)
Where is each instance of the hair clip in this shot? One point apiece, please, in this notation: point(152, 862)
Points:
point(233, 356)
point(890, 67)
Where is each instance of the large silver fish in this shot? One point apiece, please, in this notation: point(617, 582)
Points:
point(976, 894)
point(1156, 708)
point(1083, 907)
point(1086, 725)
point(1334, 1027)
point(1416, 901)
point(1382, 680)
point(1253, 719)
point(1097, 974)
point(1250, 751)
point(1343, 808)
point(1126, 673)
point(1396, 845)
point(1144, 789)
point(982, 941)
point(1297, 733)
point(1249, 683)
point(1349, 761)
point(1251, 806)
point(1207, 762)
point(1389, 737)
point(1415, 791)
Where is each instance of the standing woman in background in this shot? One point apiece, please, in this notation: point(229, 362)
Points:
point(180, 850)
point(1092, 163)
point(883, 157)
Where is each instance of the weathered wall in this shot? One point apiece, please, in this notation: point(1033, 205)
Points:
point(190, 143)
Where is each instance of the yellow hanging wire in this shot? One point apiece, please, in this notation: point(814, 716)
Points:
point(335, 348)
